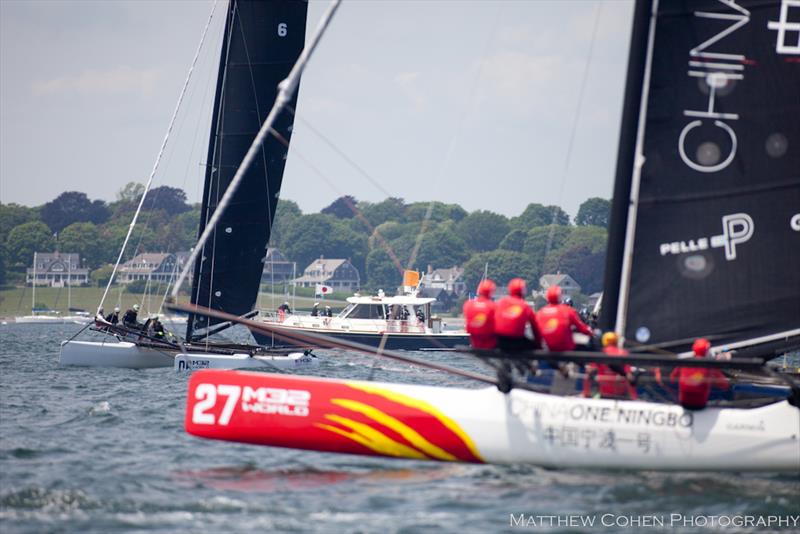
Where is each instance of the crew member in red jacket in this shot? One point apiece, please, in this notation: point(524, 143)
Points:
point(557, 321)
point(479, 317)
point(613, 382)
point(511, 317)
point(694, 383)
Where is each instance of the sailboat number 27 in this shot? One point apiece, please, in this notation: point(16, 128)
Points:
point(263, 400)
point(207, 395)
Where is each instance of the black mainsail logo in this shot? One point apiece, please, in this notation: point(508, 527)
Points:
point(788, 39)
point(719, 70)
point(737, 228)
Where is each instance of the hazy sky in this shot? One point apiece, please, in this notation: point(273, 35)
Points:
point(471, 102)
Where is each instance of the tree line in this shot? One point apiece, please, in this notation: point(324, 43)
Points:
point(379, 238)
point(94, 229)
point(382, 238)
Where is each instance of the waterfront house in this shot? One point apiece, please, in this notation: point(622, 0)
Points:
point(445, 300)
point(153, 266)
point(339, 274)
point(277, 268)
point(450, 280)
point(57, 269)
point(569, 287)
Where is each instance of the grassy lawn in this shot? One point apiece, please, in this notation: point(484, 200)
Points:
point(17, 301)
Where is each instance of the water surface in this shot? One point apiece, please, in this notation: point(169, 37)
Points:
point(103, 450)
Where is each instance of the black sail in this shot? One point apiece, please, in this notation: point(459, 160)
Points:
point(262, 41)
point(716, 249)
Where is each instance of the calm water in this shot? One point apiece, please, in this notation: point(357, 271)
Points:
point(103, 450)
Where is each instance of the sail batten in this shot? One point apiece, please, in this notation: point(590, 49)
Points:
point(262, 41)
point(717, 238)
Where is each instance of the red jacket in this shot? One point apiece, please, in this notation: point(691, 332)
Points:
point(556, 322)
point(609, 382)
point(510, 317)
point(694, 385)
point(479, 321)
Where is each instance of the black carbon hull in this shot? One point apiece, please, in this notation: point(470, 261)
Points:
point(394, 341)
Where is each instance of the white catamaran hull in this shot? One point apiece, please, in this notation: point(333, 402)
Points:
point(131, 356)
point(195, 362)
point(114, 354)
point(451, 424)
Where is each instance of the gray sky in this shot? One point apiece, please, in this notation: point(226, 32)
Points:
point(460, 101)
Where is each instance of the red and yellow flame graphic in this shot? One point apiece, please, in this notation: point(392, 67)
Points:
point(422, 433)
point(550, 325)
point(512, 312)
point(479, 320)
point(696, 378)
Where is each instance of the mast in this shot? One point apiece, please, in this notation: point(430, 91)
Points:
point(33, 287)
point(69, 283)
point(158, 159)
point(631, 110)
point(209, 160)
point(633, 202)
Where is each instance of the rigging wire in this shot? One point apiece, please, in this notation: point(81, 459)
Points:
point(387, 247)
point(216, 127)
point(351, 206)
point(218, 145)
point(181, 121)
point(158, 158)
point(429, 211)
point(468, 102)
point(573, 131)
point(340, 152)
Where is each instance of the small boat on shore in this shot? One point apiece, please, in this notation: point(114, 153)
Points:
point(41, 318)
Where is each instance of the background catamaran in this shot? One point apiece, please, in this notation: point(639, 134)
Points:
point(707, 165)
point(261, 42)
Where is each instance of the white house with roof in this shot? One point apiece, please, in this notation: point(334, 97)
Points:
point(339, 274)
point(153, 266)
point(449, 280)
point(57, 269)
point(277, 268)
point(569, 287)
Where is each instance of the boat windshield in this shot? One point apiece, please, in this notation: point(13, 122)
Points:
point(365, 311)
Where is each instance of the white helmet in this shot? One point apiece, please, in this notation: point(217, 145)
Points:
point(135, 307)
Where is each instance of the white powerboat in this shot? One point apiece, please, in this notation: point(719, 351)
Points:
point(394, 322)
